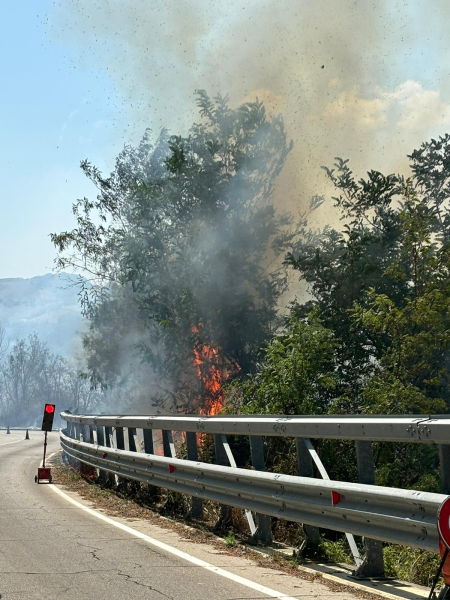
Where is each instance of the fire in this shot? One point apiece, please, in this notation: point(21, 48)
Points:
point(208, 364)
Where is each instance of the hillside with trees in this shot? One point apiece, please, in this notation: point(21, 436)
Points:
point(31, 375)
point(46, 305)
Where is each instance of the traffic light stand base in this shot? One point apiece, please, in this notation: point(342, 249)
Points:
point(44, 474)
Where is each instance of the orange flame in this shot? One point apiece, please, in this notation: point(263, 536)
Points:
point(208, 365)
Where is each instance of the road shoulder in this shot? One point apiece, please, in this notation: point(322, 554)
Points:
point(258, 565)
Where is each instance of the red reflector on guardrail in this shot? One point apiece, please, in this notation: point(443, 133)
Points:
point(171, 468)
point(335, 498)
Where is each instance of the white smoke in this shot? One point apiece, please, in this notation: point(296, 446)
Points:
point(363, 80)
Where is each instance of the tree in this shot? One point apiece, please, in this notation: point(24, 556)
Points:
point(23, 379)
point(381, 296)
point(412, 374)
point(381, 284)
point(296, 375)
point(3, 344)
point(30, 376)
point(184, 228)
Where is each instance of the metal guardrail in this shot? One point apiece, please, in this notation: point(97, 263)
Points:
point(124, 446)
point(399, 516)
point(419, 429)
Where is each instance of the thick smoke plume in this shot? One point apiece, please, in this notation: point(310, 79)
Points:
point(358, 79)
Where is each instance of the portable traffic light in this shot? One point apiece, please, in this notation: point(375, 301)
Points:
point(49, 413)
point(45, 472)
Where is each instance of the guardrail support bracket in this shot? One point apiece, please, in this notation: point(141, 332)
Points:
point(309, 548)
point(373, 563)
point(263, 531)
point(196, 510)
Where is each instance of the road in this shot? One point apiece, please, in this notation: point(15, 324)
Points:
point(50, 548)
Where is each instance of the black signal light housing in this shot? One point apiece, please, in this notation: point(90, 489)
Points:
point(49, 413)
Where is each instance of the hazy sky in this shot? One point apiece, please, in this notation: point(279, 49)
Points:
point(361, 79)
point(53, 114)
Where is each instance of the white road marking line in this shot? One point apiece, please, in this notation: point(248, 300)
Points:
point(196, 561)
point(7, 443)
point(48, 458)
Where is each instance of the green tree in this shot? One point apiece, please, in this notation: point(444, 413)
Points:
point(381, 285)
point(30, 375)
point(376, 329)
point(296, 375)
point(412, 374)
point(187, 227)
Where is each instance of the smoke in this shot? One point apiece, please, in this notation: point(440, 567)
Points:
point(137, 388)
point(357, 79)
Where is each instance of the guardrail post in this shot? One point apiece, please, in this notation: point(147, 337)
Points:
point(85, 434)
point(444, 458)
point(373, 564)
point(146, 446)
point(94, 441)
point(168, 445)
point(148, 441)
point(232, 463)
point(102, 475)
point(100, 435)
point(126, 439)
point(117, 442)
point(118, 438)
point(110, 478)
point(264, 529)
point(129, 439)
point(108, 436)
point(169, 451)
point(74, 433)
point(192, 454)
point(221, 459)
point(305, 468)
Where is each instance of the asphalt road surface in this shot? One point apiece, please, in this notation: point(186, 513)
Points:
point(51, 549)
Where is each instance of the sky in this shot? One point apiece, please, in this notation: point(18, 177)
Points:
point(53, 115)
point(360, 79)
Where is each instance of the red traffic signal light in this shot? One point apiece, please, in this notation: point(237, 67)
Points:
point(49, 413)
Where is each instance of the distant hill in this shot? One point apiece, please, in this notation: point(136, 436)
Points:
point(46, 305)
